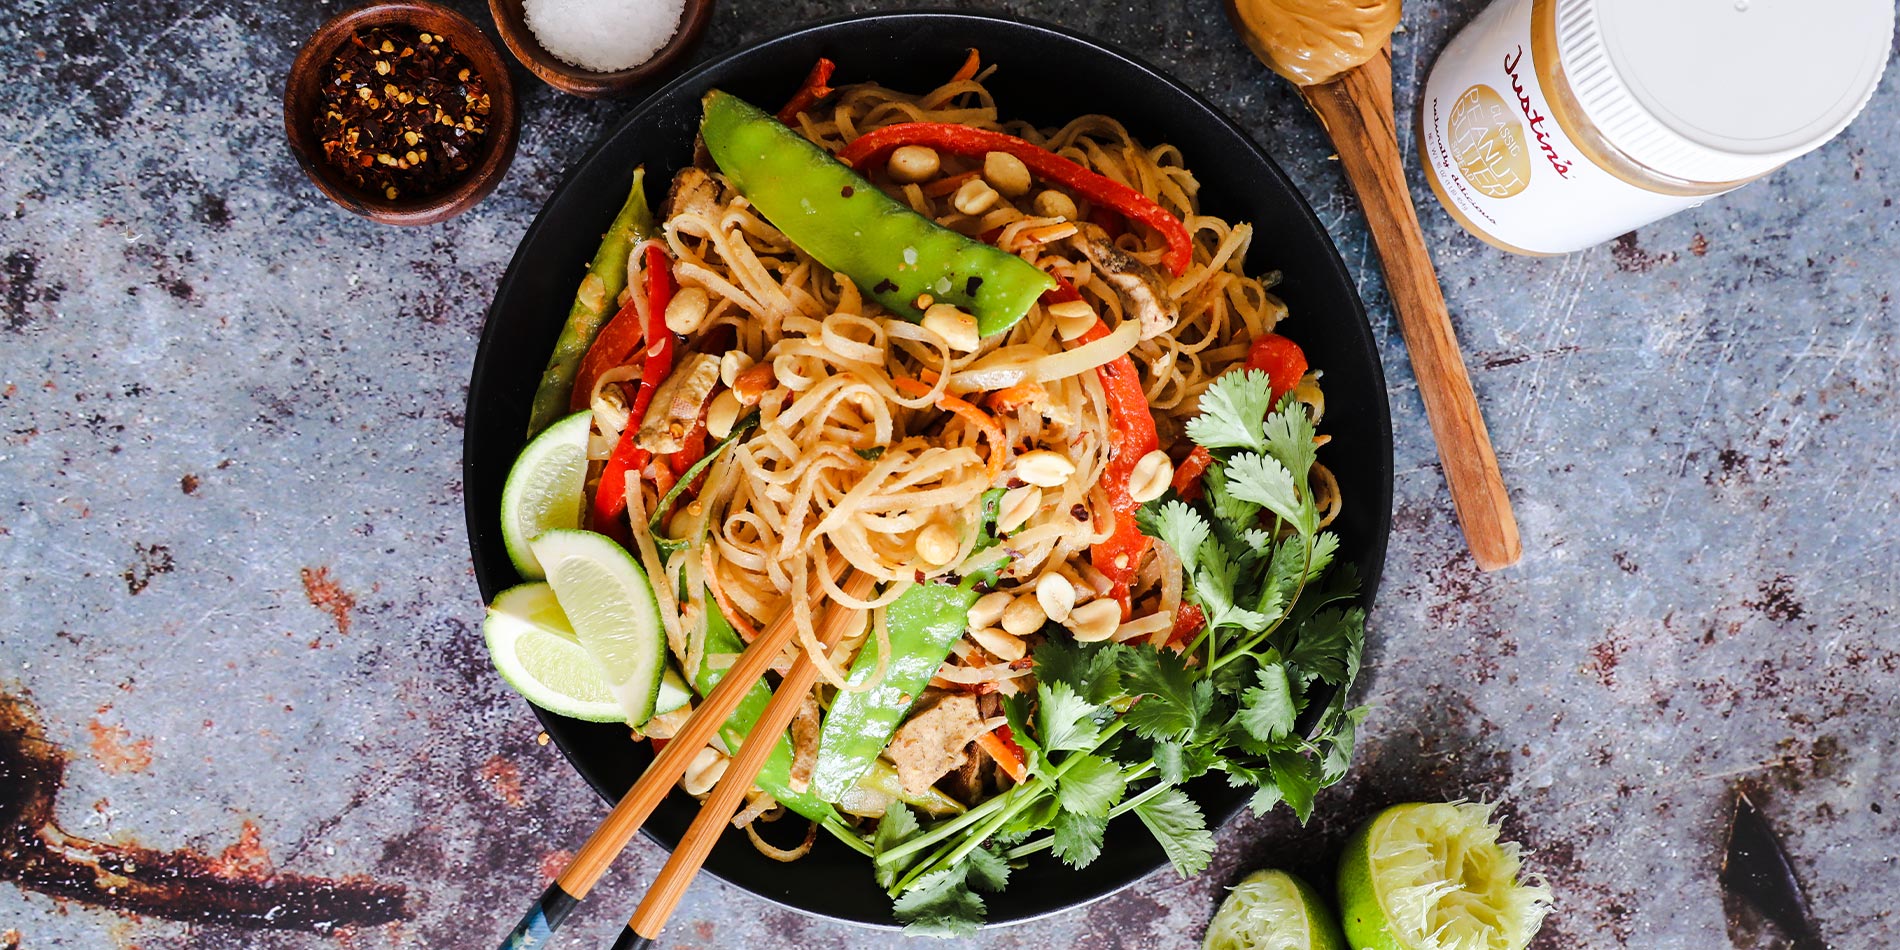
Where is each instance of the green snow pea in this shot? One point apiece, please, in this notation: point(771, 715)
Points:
point(775, 776)
point(922, 623)
point(851, 226)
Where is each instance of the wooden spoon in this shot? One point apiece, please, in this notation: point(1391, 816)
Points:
point(1338, 52)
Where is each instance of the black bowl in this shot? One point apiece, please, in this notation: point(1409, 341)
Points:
point(916, 51)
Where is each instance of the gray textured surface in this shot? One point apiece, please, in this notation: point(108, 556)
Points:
point(222, 395)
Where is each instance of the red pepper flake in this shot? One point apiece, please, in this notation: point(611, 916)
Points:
point(403, 113)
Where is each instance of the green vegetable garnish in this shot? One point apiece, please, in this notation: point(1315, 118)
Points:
point(893, 253)
point(606, 277)
point(1113, 729)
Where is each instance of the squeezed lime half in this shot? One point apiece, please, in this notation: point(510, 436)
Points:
point(1434, 876)
point(1273, 910)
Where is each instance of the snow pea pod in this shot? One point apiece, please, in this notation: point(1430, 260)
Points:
point(600, 289)
point(849, 225)
point(923, 622)
point(775, 777)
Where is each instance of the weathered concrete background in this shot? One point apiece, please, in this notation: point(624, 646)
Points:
point(234, 585)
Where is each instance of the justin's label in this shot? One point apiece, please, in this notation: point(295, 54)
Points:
point(1505, 168)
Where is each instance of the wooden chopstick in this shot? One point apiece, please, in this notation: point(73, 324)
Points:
point(726, 796)
point(611, 837)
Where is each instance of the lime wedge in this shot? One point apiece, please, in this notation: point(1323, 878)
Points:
point(545, 489)
point(609, 602)
point(560, 677)
point(1436, 877)
point(1273, 910)
point(536, 652)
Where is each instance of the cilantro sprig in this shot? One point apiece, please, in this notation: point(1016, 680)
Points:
point(1112, 729)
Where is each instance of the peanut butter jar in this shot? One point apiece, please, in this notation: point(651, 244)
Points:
point(1548, 126)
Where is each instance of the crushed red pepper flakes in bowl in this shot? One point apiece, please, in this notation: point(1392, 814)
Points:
point(402, 113)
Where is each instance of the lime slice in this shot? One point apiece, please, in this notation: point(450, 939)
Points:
point(545, 489)
point(610, 603)
point(558, 677)
point(1273, 910)
point(536, 652)
point(1436, 877)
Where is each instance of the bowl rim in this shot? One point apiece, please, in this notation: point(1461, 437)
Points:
point(511, 22)
point(300, 97)
point(488, 358)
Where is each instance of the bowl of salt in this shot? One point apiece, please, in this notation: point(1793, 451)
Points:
point(600, 49)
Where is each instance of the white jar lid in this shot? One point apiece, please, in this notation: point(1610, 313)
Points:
point(1722, 90)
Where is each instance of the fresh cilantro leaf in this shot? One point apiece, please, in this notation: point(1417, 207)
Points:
point(940, 904)
point(1267, 711)
point(1176, 762)
point(1178, 525)
point(1325, 545)
point(1017, 710)
point(990, 504)
point(1264, 798)
point(1322, 645)
point(1167, 706)
point(1067, 721)
point(1176, 822)
point(1339, 745)
point(1265, 482)
point(986, 871)
point(1289, 435)
point(1091, 786)
point(1258, 540)
point(1078, 838)
point(1232, 408)
point(1298, 778)
point(1090, 669)
point(871, 454)
point(1036, 817)
point(896, 827)
point(1230, 513)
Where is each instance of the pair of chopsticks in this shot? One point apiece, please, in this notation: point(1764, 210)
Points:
point(608, 840)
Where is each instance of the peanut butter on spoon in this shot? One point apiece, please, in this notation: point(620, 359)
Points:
point(1313, 41)
point(1338, 52)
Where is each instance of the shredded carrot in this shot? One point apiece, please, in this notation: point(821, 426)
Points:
point(733, 614)
point(944, 186)
point(1028, 392)
point(1005, 757)
point(967, 71)
point(970, 414)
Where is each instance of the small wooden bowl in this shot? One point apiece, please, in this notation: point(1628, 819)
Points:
point(574, 80)
point(302, 99)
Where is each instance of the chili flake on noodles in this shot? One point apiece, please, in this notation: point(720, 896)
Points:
point(404, 114)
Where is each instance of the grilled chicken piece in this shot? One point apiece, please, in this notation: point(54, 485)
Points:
point(693, 190)
point(676, 404)
point(1142, 291)
point(934, 741)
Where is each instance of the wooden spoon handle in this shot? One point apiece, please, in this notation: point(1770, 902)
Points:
point(1356, 109)
point(710, 824)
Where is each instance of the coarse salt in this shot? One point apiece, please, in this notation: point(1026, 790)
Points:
point(603, 35)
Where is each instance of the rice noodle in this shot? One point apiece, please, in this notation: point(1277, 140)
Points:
point(855, 456)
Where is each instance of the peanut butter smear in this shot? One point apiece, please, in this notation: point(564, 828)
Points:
point(1314, 41)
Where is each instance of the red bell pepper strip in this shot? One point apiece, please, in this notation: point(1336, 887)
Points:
point(610, 496)
point(1109, 220)
point(1133, 423)
point(875, 146)
point(1282, 360)
point(816, 86)
point(1285, 364)
point(616, 343)
point(1187, 475)
point(1188, 621)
